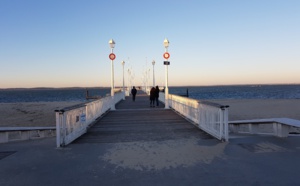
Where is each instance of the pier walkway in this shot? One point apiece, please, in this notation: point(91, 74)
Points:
point(141, 145)
point(134, 121)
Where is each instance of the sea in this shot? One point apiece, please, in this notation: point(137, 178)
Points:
point(195, 92)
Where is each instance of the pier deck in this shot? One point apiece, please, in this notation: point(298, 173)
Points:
point(135, 121)
point(139, 145)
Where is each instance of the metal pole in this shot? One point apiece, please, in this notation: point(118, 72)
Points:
point(112, 92)
point(149, 77)
point(153, 76)
point(123, 63)
point(123, 79)
point(167, 88)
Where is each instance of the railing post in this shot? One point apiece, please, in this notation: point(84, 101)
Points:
point(58, 128)
point(226, 132)
point(87, 116)
point(222, 114)
point(64, 130)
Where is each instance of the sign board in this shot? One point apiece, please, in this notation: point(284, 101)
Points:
point(166, 55)
point(112, 56)
point(82, 118)
point(166, 62)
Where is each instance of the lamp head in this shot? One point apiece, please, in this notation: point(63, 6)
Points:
point(166, 43)
point(111, 43)
point(153, 62)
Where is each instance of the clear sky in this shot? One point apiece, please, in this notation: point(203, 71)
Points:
point(64, 43)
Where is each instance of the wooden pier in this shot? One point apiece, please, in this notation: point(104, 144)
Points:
point(137, 121)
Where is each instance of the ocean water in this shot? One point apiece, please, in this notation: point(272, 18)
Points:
point(199, 92)
point(49, 94)
point(240, 92)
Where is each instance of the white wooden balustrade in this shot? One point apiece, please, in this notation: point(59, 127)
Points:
point(210, 117)
point(72, 122)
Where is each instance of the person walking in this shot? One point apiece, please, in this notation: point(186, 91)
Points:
point(157, 95)
point(152, 97)
point(133, 92)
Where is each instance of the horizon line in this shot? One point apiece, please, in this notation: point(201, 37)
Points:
point(74, 87)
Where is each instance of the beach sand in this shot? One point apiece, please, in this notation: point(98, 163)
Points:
point(41, 114)
point(243, 109)
point(30, 114)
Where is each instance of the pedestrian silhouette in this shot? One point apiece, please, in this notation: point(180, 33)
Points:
point(152, 97)
point(133, 92)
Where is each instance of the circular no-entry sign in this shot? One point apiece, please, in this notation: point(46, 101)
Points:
point(112, 56)
point(166, 55)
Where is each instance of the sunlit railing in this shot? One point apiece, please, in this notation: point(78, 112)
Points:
point(72, 122)
point(210, 117)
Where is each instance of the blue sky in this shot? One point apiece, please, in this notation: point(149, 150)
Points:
point(64, 43)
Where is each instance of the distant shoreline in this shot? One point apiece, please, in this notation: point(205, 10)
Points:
point(237, 85)
point(51, 88)
point(70, 88)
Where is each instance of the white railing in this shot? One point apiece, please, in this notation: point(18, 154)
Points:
point(210, 117)
point(119, 96)
point(72, 122)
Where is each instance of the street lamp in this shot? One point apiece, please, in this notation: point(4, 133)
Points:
point(112, 56)
point(166, 44)
point(149, 79)
point(166, 63)
point(123, 63)
point(129, 81)
point(153, 63)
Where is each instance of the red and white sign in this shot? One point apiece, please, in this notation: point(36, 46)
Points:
point(166, 55)
point(112, 56)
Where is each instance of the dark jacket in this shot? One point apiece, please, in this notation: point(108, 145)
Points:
point(133, 91)
point(152, 93)
point(156, 92)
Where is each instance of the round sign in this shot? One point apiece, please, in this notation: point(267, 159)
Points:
point(166, 55)
point(112, 56)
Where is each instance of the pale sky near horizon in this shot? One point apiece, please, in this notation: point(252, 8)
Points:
point(64, 43)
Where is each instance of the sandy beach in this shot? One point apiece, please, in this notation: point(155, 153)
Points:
point(243, 109)
point(42, 113)
point(30, 114)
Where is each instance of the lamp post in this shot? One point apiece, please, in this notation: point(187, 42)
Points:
point(129, 81)
point(166, 63)
point(149, 77)
point(123, 63)
point(153, 63)
point(112, 56)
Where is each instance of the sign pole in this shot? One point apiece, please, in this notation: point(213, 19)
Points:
point(112, 91)
point(166, 89)
point(112, 56)
point(166, 63)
